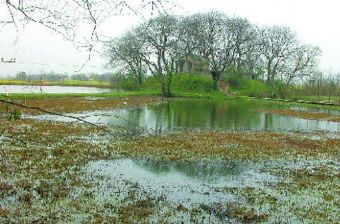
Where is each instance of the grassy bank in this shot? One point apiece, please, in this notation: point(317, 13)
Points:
point(21, 96)
point(183, 85)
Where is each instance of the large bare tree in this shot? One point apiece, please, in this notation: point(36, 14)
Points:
point(226, 42)
point(189, 29)
point(244, 37)
point(276, 43)
point(216, 43)
point(159, 38)
point(125, 54)
point(301, 62)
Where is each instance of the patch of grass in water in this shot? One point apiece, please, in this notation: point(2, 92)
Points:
point(305, 115)
point(231, 145)
point(80, 104)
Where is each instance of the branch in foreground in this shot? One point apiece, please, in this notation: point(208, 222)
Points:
point(57, 114)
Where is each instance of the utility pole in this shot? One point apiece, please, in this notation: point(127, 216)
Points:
point(11, 60)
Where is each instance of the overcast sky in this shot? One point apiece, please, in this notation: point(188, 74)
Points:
point(315, 22)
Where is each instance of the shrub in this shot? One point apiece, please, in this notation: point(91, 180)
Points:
point(192, 82)
point(255, 88)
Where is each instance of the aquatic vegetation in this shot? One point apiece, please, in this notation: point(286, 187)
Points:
point(79, 104)
point(53, 172)
point(305, 115)
point(228, 145)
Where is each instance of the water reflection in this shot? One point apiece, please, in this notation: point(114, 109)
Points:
point(179, 182)
point(201, 170)
point(231, 114)
point(220, 115)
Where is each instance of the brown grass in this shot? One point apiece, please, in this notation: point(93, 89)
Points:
point(305, 115)
point(240, 145)
point(80, 104)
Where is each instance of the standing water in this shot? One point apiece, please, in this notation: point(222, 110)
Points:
point(226, 115)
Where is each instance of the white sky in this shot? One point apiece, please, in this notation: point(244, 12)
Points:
point(315, 21)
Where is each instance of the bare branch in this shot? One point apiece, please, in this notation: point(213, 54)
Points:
point(54, 113)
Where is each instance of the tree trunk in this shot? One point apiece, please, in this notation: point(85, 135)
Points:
point(140, 78)
point(269, 71)
point(168, 94)
point(216, 75)
point(163, 84)
point(163, 88)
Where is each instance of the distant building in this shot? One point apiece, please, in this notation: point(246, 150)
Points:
point(193, 63)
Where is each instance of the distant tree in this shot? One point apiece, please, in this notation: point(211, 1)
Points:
point(229, 44)
point(80, 77)
point(105, 77)
point(21, 76)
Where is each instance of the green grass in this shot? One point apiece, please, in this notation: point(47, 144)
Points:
point(13, 82)
point(86, 83)
point(183, 85)
point(184, 82)
point(18, 96)
point(192, 82)
point(333, 99)
point(254, 88)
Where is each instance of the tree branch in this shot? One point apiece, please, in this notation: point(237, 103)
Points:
point(54, 113)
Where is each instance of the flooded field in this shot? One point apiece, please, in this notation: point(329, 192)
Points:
point(182, 182)
point(50, 89)
point(179, 161)
point(231, 115)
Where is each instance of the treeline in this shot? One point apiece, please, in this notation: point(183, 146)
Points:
point(232, 46)
point(320, 87)
point(57, 77)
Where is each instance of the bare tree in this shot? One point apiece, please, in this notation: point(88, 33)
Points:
point(216, 43)
point(125, 54)
point(300, 63)
point(78, 21)
point(244, 36)
point(189, 29)
point(226, 42)
point(159, 38)
point(276, 43)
